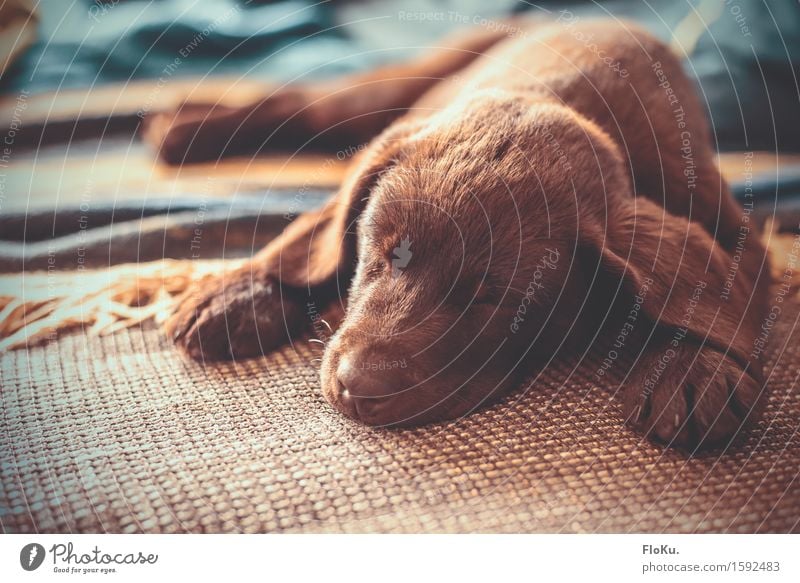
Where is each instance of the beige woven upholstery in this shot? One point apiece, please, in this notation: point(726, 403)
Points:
point(120, 434)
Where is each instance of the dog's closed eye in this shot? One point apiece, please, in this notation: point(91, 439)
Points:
point(377, 267)
point(476, 291)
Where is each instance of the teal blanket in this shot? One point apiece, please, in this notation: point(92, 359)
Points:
point(745, 64)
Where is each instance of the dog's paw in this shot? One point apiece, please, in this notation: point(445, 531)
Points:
point(200, 132)
point(183, 142)
point(236, 315)
point(690, 397)
point(192, 133)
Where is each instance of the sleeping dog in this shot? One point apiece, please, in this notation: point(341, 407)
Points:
point(519, 182)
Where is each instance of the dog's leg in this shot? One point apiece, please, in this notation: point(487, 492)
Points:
point(337, 114)
point(695, 189)
point(290, 283)
point(247, 312)
point(698, 377)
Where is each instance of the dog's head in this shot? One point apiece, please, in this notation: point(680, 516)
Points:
point(461, 236)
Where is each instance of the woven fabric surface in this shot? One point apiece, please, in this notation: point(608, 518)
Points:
point(120, 434)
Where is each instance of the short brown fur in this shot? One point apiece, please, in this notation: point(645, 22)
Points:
point(536, 170)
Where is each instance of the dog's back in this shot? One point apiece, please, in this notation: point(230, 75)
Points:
point(629, 83)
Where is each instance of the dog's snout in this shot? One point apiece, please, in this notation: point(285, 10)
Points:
point(368, 379)
point(370, 388)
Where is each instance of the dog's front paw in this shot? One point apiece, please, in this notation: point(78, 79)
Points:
point(690, 397)
point(237, 315)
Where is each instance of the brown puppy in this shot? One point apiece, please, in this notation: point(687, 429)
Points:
point(534, 176)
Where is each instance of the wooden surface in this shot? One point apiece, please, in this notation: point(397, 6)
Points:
point(131, 98)
point(87, 172)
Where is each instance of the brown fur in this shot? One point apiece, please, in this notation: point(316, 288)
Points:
point(534, 176)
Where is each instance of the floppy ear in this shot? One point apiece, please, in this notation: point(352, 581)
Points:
point(320, 246)
point(681, 277)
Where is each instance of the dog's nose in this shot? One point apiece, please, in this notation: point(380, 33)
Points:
point(367, 379)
